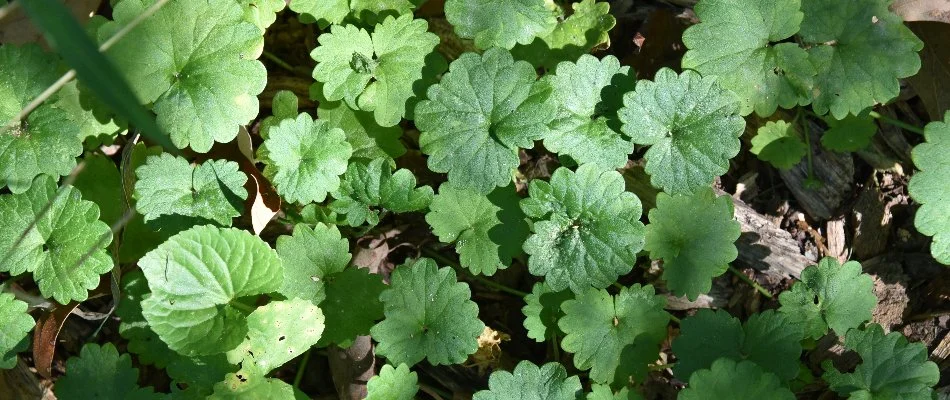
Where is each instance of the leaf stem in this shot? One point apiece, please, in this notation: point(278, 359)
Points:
point(241, 306)
point(806, 130)
point(487, 282)
point(751, 282)
point(301, 368)
point(277, 60)
point(674, 319)
point(898, 123)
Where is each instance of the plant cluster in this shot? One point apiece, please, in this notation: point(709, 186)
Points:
point(219, 308)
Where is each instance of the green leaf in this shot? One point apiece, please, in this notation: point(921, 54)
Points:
point(588, 94)
point(727, 379)
point(829, 295)
point(528, 381)
point(738, 41)
point(603, 392)
point(94, 120)
point(695, 237)
point(543, 310)
point(366, 187)
point(487, 230)
point(599, 326)
point(572, 38)
point(930, 187)
point(101, 373)
point(500, 23)
point(429, 315)
point(92, 67)
point(326, 12)
point(850, 134)
point(133, 327)
point(891, 368)
point(193, 61)
point(65, 249)
point(476, 119)
point(169, 185)
point(17, 324)
point(194, 278)
point(242, 385)
point(393, 384)
point(262, 13)
point(285, 106)
point(352, 305)
point(691, 124)
point(100, 183)
point(48, 141)
point(368, 139)
point(374, 72)
point(860, 50)
point(310, 256)
point(305, 158)
point(778, 143)
point(767, 339)
point(199, 374)
point(587, 229)
point(277, 333)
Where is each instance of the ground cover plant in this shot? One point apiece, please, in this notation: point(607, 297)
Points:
point(452, 199)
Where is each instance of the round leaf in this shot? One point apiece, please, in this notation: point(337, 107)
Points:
point(310, 256)
point(691, 124)
point(493, 23)
point(528, 381)
point(169, 185)
point(17, 324)
point(778, 143)
point(727, 379)
point(194, 278)
point(830, 295)
point(393, 384)
point(931, 188)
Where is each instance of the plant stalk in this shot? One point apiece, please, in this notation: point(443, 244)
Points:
point(751, 282)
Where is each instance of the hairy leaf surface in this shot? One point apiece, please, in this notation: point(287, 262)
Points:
point(729, 379)
point(528, 381)
point(691, 125)
point(170, 185)
point(429, 315)
point(473, 123)
point(100, 372)
point(587, 229)
point(830, 295)
point(500, 23)
point(393, 384)
point(930, 187)
point(16, 323)
point(367, 187)
point(778, 143)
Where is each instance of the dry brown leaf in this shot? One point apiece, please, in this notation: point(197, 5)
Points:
point(488, 355)
point(923, 10)
point(45, 335)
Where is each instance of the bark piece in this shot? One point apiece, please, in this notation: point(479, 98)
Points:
point(834, 171)
point(766, 247)
point(352, 368)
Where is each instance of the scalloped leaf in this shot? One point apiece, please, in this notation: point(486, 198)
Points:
point(429, 314)
point(242, 385)
point(737, 41)
point(891, 368)
point(17, 324)
point(305, 158)
point(393, 384)
point(589, 94)
point(500, 23)
point(695, 237)
point(310, 256)
point(368, 139)
point(603, 392)
point(198, 69)
point(170, 185)
point(727, 379)
point(778, 143)
point(473, 123)
point(351, 306)
point(768, 339)
point(586, 231)
point(367, 187)
point(196, 276)
point(94, 120)
point(285, 106)
point(64, 249)
point(101, 183)
point(585, 29)
point(48, 141)
point(487, 230)
point(101, 373)
point(691, 125)
point(930, 187)
point(850, 134)
point(528, 381)
point(830, 295)
point(277, 333)
point(543, 310)
point(199, 374)
point(860, 50)
point(599, 326)
point(327, 12)
point(374, 72)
